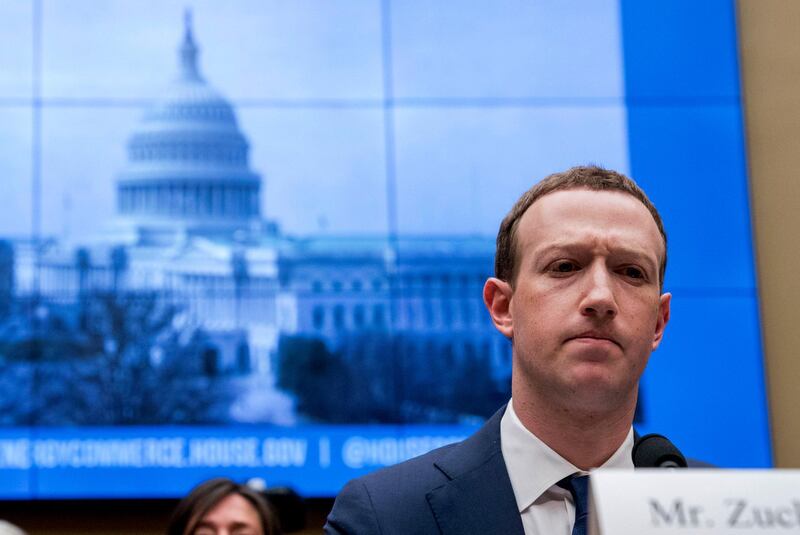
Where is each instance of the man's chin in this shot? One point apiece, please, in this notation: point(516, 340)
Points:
point(597, 373)
point(594, 387)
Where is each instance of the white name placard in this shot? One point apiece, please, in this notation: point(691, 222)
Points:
point(694, 501)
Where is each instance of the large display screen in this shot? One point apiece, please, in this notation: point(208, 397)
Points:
point(249, 238)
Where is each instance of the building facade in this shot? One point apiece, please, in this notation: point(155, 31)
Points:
point(189, 227)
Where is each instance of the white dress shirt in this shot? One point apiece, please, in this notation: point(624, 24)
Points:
point(534, 469)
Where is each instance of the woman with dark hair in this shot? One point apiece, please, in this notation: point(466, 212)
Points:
point(222, 507)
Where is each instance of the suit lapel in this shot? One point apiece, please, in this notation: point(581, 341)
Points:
point(478, 497)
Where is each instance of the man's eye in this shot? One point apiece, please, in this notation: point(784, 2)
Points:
point(633, 272)
point(564, 266)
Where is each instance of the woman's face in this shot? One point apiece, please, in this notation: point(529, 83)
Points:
point(234, 515)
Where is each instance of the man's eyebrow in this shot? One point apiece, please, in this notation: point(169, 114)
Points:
point(570, 246)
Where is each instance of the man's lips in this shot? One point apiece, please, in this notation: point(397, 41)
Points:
point(593, 337)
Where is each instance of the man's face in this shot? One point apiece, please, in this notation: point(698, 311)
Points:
point(585, 310)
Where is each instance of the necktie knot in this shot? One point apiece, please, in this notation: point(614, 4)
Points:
point(578, 486)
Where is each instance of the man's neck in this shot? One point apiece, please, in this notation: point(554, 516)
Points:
point(585, 439)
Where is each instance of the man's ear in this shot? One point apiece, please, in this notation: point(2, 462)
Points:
point(497, 298)
point(663, 319)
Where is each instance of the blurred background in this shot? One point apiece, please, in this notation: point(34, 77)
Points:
point(248, 239)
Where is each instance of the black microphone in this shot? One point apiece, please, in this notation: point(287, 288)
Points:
point(656, 451)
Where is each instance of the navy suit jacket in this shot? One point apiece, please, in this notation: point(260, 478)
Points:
point(460, 489)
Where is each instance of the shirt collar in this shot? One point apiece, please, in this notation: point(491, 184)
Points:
point(534, 467)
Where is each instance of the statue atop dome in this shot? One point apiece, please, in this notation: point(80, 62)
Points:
point(189, 51)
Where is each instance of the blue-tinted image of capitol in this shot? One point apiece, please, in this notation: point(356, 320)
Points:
point(192, 306)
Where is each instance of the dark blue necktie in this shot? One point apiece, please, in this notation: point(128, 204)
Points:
point(578, 486)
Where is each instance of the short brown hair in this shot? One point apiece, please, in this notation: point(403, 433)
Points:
point(582, 177)
point(205, 496)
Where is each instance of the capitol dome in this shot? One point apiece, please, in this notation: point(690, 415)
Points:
point(187, 159)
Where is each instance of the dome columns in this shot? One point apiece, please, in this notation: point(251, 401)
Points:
point(182, 200)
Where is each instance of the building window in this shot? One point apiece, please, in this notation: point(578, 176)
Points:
point(412, 350)
point(378, 316)
point(407, 281)
point(358, 316)
point(467, 317)
point(357, 285)
point(318, 317)
point(211, 362)
point(336, 286)
point(207, 207)
point(430, 350)
point(448, 356)
point(316, 287)
point(410, 318)
point(445, 280)
point(428, 313)
point(469, 351)
point(377, 285)
point(338, 317)
point(447, 312)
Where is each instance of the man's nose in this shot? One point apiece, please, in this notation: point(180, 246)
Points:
point(599, 300)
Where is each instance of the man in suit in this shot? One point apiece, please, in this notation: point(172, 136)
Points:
point(578, 289)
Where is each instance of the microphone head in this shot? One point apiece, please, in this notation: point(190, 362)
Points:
point(656, 451)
